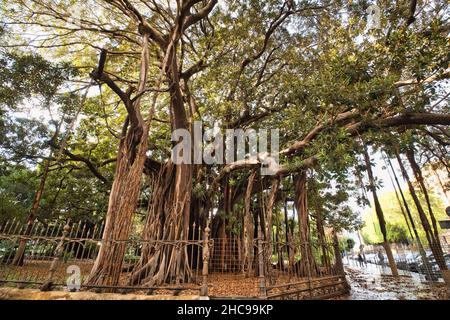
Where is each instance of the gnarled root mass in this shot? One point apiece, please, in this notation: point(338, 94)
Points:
point(130, 164)
point(168, 220)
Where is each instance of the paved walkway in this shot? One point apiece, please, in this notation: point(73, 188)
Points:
point(373, 282)
point(377, 269)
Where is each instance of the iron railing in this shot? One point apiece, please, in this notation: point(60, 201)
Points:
point(55, 252)
point(408, 258)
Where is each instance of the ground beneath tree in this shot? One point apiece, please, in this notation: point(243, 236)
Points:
point(232, 285)
point(368, 284)
point(33, 294)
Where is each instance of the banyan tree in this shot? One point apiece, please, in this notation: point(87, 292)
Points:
point(302, 67)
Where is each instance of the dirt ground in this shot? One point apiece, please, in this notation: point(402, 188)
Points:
point(32, 294)
point(232, 285)
point(366, 283)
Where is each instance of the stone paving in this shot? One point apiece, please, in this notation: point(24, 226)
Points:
point(372, 282)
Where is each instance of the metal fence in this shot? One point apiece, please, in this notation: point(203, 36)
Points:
point(55, 252)
point(311, 270)
point(276, 269)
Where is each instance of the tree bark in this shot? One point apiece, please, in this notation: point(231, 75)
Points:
point(411, 220)
point(435, 247)
point(170, 212)
point(169, 215)
point(419, 178)
point(127, 180)
point(122, 205)
point(268, 220)
point(380, 215)
point(307, 262)
point(20, 254)
point(248, 229)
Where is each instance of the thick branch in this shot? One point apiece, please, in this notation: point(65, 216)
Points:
point(201, 14)
point(79, 158)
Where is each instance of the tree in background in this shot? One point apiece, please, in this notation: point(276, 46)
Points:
point(397, 228)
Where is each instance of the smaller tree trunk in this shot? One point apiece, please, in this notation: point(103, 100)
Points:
point(307, 262)
point(402, 209)
point(432, 241)
point(419, 177)
point(248, 229)
point(411, 220)
point(20, 253)
point(269, 214)
point(337, 255)
point(380, 215)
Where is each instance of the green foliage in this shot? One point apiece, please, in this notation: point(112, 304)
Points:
point(24, 76)
point(346, 244)
point(7, 251)
point(396, 225)
point(17, 190)
point(28, 83)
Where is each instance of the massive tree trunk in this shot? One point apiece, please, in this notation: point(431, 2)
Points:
point(169, 214)
point(168, 220)
point(122, 205)
point(380, 214)
point(170, 211)
point(127, 180)
point(307, 262)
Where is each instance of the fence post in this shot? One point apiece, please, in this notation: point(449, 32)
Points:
point(262, 279)
point(204, 288)
point(59, 253)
